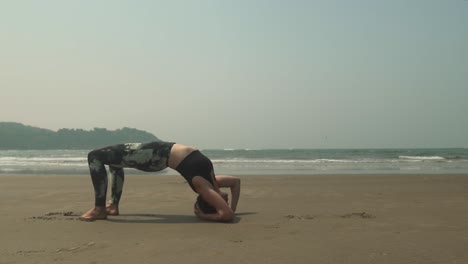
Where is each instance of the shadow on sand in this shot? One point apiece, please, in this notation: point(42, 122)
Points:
point(166, 218)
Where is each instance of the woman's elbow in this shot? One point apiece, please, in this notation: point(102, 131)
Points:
point(238, 181)
point(226, 216)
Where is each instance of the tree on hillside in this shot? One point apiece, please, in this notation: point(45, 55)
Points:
point(19, 136)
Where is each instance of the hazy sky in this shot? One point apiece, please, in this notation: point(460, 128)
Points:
point(242, 74)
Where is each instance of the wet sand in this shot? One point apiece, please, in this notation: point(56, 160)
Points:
point(280, 219)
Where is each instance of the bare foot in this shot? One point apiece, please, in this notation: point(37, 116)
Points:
point(112, 209)
point(96, 213)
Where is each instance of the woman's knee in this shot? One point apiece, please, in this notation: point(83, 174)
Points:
point(94, 155)
point(95, 161)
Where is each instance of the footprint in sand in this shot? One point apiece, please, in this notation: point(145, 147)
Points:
point(57, 216)
point(289, 218)
point(357, 215)
point(71, 249)
point(299, 217)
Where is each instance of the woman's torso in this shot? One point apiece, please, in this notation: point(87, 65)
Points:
point(178, 153)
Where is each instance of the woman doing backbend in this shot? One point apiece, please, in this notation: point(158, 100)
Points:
point(196, 168)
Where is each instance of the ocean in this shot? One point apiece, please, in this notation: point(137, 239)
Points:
point(264, 161)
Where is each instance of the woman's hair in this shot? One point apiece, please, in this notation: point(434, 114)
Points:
point(204, 206)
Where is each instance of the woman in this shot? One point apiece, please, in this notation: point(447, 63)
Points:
point(196, 168)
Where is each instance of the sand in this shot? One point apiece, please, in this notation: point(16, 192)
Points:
point(280, 219)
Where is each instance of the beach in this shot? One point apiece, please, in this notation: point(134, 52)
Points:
point(375, 218)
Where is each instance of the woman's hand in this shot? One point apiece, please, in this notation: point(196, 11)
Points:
point(225, 196)
point(205, 189)
point(225, 181)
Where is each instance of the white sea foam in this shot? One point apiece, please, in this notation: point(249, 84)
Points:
point(422, 158)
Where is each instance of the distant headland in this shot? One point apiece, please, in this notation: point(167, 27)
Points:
point(17, 136)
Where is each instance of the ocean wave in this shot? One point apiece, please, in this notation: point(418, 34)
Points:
point(273, 161)
point(422, 158)
point(234, 149)
point(455, 157)
point(42, 162)
point(41, 159)
point(254, 161)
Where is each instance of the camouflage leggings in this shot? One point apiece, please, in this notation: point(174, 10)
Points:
point(151, 157)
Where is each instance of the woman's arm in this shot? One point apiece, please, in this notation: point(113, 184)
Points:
point(223, 212)
point(225, 181)
point(209, 217)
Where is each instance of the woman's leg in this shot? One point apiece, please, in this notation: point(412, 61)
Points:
point(96, 161)
point(117, 178)
point(98, 176)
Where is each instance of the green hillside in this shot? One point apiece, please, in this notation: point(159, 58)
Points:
point(19, 136)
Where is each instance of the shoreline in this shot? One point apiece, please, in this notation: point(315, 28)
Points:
point(280, 219)
point(135, 173)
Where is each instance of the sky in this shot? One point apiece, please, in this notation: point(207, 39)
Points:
point(242, 74)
